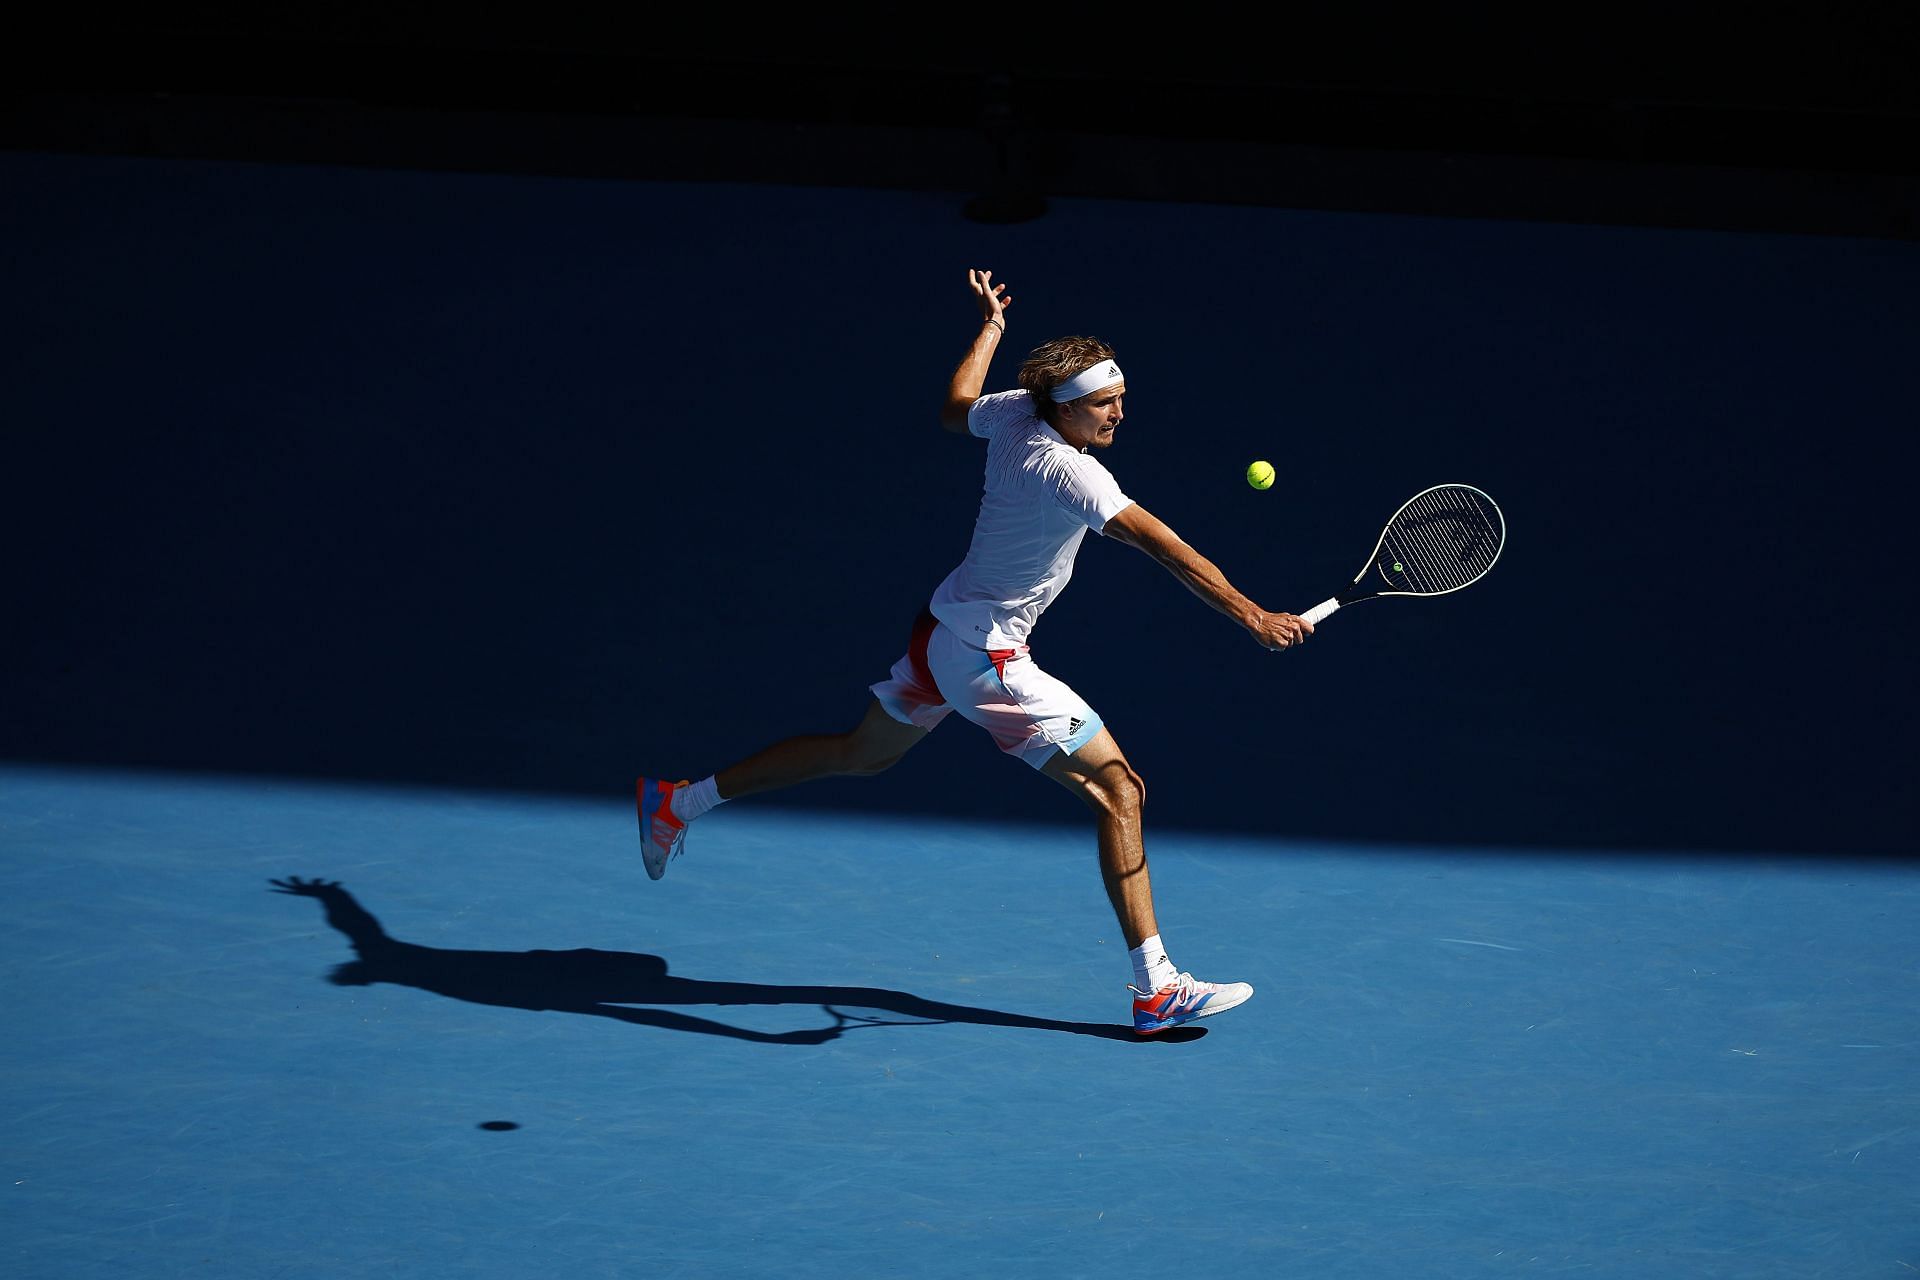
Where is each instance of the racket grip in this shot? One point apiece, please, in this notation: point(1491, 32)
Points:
point(1321, 610)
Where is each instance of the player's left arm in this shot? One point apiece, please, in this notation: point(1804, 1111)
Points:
point(971, 374)
point(1137, 527)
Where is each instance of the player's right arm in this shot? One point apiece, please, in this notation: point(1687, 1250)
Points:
point(965, 385)
point(1137, 527)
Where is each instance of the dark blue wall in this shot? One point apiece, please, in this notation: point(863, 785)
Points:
point(540, 483)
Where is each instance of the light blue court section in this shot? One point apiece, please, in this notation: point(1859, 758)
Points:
point(833, 1046)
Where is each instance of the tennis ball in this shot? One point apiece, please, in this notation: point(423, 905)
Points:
point(1260, 475)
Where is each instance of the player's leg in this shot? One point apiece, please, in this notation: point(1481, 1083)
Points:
point(1099, 774)
point(872, 746)
point(905, 708)
point(1040, 719)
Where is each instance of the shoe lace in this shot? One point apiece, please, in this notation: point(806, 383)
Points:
point(670, 839)
point(1185, 984)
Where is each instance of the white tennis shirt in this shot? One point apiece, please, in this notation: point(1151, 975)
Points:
point(1041, 497)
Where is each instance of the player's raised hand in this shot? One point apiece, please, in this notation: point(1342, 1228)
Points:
point(993, 298)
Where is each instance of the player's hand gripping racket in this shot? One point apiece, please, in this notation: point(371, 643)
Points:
point(1440, 540)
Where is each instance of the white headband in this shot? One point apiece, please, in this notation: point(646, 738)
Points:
point(1085, 383)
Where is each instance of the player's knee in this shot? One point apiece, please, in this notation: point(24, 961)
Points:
point(863, 755)
point(866, 764)
point(1115, 788)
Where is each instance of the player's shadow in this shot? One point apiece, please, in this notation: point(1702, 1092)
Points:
point(605, 983)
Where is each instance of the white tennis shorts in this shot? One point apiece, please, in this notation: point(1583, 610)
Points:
point(1029, 714)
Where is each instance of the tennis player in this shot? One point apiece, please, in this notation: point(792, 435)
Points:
point(968, 651)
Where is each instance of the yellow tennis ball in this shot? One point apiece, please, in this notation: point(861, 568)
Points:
point(1260, 475)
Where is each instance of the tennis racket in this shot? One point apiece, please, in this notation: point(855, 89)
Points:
point(1440, 540)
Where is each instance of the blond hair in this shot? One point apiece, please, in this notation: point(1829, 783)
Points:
point(1053, 362)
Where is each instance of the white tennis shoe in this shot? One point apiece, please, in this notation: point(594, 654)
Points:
point(1183, 1000)
point(663, 837)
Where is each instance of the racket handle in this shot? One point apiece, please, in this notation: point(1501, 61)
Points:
point(1320, 611)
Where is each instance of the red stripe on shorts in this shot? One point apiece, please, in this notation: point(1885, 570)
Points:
point(1000, 658)
point(917, 652)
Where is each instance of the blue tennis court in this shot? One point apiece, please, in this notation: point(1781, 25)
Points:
point(831, 1044)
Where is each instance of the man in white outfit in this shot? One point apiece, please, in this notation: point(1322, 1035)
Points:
point(968, 652)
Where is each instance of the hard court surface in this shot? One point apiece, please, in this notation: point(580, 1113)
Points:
point(841, 1044)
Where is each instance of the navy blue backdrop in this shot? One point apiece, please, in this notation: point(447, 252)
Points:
point(537, 484)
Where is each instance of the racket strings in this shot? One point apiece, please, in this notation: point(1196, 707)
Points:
point(1443, 540)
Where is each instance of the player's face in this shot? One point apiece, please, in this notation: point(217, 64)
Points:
point(1088, 423)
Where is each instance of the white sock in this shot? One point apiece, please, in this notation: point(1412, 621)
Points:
point(690, 801)
point(1151, 968)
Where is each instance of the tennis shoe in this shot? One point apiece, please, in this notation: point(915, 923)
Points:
point(1183, 1000)
point(663, 836)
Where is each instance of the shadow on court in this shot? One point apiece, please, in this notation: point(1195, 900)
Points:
point(604, 983)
